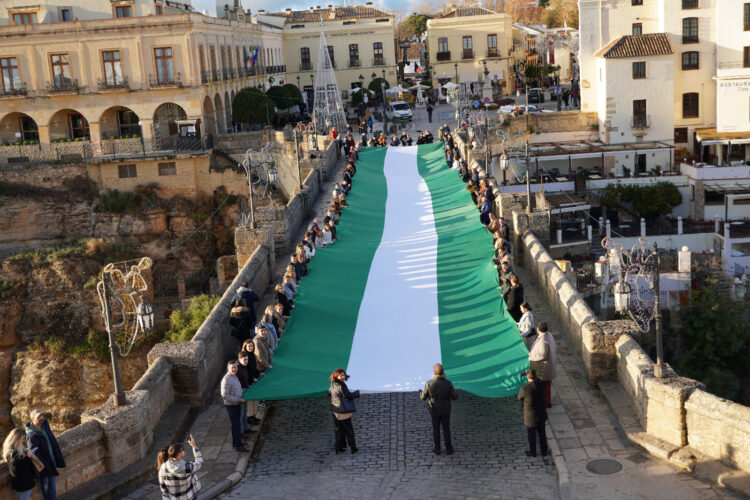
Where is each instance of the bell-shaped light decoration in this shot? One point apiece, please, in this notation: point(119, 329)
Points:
point(272, 174)
point(145, 316)
point(622, 296)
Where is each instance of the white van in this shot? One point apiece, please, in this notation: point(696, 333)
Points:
point(398, 110)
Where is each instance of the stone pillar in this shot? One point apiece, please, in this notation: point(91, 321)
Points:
point(643, 227)
point(683, 260)
point(181, 292)
point(538, 222)
point(589, 233)
point(679, 224)
point(601, 226)
point(247, 240)
point(44, 138)
point(608, 229)
point(95, 134)
point(558, 234)
point(726, 254)
point(147, 133)
point(716, 223)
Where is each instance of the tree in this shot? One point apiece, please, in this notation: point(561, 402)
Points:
point(293, 93)
point(648, 201)
point(280, 97)
point(417, 23)
point(376, 86)
point(252, 106)
point(560, 13)
point(524, 11)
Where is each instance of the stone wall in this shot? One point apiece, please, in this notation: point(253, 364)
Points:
point(682, 422)
point(111, 438)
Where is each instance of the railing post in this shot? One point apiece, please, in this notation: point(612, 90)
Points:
point(608, 230)
point(716, 223)
point(588, 233)
point(643, 227)
point(679, 225)
point(601, 226)
point(559, 236)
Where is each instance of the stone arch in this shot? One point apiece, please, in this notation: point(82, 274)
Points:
point(165, 125)
point(18, 127)
point(119, 121)
point(209, 117)
point(219, 108)
point(228, 110)
point(68, 124)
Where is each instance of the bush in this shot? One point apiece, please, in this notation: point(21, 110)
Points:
point(280, 97)
point(55, 345)
point(118, 202)
point(185, 325)
point(293, 92)
point(376, 86)
point(81, 187)
point(96, 345)
point(252, 106)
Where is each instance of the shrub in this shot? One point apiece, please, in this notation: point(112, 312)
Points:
point(376, 86)
point(252, 106)
point(55, 345)
point(96, 345)
point(185, 325)
point(81, 187)
point(118, 202)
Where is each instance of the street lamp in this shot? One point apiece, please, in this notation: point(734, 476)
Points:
point(640, 265)
point(261, 165)
point(125, 311)
point(455, 65)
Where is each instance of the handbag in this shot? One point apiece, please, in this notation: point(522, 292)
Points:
point(348, 405)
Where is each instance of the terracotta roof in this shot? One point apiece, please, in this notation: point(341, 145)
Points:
point(337, 13)
point(651, 44)
point(467, 11)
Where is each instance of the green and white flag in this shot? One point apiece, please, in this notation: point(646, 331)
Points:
point(409, 283)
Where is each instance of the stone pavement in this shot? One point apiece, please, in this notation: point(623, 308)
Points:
point(584, 428)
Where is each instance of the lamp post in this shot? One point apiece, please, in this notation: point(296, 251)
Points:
point(124, 310)
point(261, 165)
point(455, 66)
point(639, 265)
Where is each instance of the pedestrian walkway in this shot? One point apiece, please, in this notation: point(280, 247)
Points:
point(584, 429)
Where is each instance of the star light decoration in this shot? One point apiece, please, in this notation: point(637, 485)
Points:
point(637, 269)
point(129, 313)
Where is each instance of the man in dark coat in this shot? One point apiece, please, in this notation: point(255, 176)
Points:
point(439, 391)
point(534, 412)
point(429, 112)
point(40, 439)
point(250, 297)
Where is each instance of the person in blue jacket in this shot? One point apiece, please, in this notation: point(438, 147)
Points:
point(42, 442)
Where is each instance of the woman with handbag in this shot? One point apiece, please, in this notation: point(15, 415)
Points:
point(342, 408)
point(20, 465)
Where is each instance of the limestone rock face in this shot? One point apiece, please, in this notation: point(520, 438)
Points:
point(63, 386)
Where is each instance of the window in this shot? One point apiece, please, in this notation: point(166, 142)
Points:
point(164, 68)
point(377, 52)
point(690, 105)
point(24, 18)
point(690, 30)
point(61, 70)
point(636, 2)
point(354, 54)
point(10, 78)
point(79, 127)
point(639, 110)
point(168, 168)
point(680, 135)
point(112, 68)
point(442, 45)
point(126, 171)
point(639, 70)
point(637, 28)
point(330, 55)
point(304, 54)
point(65, 15)
point(124, 11)
point(689, 4)
point(492, 45)
point(746, 57)
point(127, 123)
point(746, 16)
point(29, 130)
point(690, 60)
point(159, 10)
point(468, 46)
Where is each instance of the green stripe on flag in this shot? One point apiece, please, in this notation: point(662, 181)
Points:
point(319, 334)
point(481, 350)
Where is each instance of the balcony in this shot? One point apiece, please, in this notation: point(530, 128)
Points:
point(69, 87)
point(164, 83)
point(734, 65)
point(215, 75)
point(443, 56)
point(283, 68)
point(640, 122)
point(305, 66)
point(354, 63)
point(225, 74)
point(378, 61)
point(230, 74)
point(467, 54)
point(105, 85)
point(492, 52)
point(14, 92)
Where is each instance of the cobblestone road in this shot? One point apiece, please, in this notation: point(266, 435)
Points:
point(295, 458)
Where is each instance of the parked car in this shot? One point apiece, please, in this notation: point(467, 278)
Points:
point(536, 95)
point(532, 109)
point(398, 110)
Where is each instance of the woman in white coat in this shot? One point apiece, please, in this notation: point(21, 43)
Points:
point(526, 326)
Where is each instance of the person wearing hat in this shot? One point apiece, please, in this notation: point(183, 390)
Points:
point(534, 412)
point(41, 441)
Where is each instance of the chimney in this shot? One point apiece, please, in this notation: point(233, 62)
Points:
point(261, 11)
point(369, 3)
point(287, 9)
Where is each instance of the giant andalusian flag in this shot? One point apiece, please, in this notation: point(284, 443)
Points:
point(409, 283)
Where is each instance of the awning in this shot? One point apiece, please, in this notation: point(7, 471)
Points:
point(709, 136)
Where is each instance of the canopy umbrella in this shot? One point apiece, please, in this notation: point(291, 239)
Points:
point(450, 85)
point(419, 86)
point(396, 89)
point(360, 88)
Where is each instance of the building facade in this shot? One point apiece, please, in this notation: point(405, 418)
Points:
point(464, 41)
point(709, 39)
point(360, 44)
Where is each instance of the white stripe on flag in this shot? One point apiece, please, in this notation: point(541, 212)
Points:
point(397, 338)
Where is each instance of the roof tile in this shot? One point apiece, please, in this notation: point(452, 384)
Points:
point(650, 44)
point(339, 13)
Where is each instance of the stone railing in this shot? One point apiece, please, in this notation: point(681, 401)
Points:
point(682, 423)
point(110, 438)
